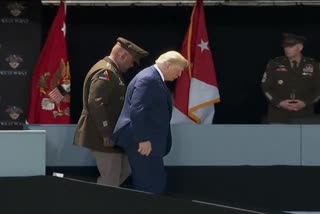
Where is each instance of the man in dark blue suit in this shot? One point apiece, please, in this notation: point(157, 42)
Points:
point(143, 128)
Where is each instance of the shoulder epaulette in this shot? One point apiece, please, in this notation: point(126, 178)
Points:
point(279, 58)
point(309, 58)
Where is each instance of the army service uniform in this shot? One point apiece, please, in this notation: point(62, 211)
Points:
point(103, 97)
point(291, 80)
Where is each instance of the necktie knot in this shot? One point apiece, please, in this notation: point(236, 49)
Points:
point(294, 64)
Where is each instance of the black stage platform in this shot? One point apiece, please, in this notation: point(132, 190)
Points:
point(54, 195)
point(254, 187)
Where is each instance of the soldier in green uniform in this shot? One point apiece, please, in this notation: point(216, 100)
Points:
point(103, 96)
point(291, 83)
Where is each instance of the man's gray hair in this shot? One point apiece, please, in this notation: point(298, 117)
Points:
point(172, 57)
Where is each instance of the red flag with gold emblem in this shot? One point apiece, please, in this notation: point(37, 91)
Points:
point(50, 88)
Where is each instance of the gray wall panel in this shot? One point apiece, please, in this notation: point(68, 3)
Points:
point(22, 153)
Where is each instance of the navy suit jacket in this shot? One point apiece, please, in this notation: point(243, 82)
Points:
point(146, 114)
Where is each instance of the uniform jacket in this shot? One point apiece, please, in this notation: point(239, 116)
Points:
point(281, 81)
point(146, 113)
point(103, 97)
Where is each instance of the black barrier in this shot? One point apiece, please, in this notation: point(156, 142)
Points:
point(20, 38)
point(46, 194)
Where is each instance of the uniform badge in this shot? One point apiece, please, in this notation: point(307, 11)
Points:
point(281, 68)
point(104, 75)
point(280, 82)
point(307, 70)
point(120, 81)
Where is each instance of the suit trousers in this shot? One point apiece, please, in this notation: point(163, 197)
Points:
point(148, 172)
point(114, 168)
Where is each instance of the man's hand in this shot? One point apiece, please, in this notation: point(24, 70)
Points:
point(145, 148)
point(292, 105)
point(298, 105)
point(285, 104)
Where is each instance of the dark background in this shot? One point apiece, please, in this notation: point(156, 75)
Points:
point(242, 39)
point(19, 35)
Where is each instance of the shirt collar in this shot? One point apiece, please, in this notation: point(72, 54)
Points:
point(114, 62)
point(159, 71)
point(298, 60)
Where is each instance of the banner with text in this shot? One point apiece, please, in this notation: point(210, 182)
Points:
point(20, 40)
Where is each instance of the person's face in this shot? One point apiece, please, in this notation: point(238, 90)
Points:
point(127, 62)
point(174, 71)
point(293, 51)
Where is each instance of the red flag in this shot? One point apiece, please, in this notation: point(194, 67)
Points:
point(196, 90)
point(50, 89)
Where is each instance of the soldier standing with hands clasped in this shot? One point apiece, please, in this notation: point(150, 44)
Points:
point(291, 83)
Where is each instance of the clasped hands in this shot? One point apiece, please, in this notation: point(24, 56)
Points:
point(292, 105)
